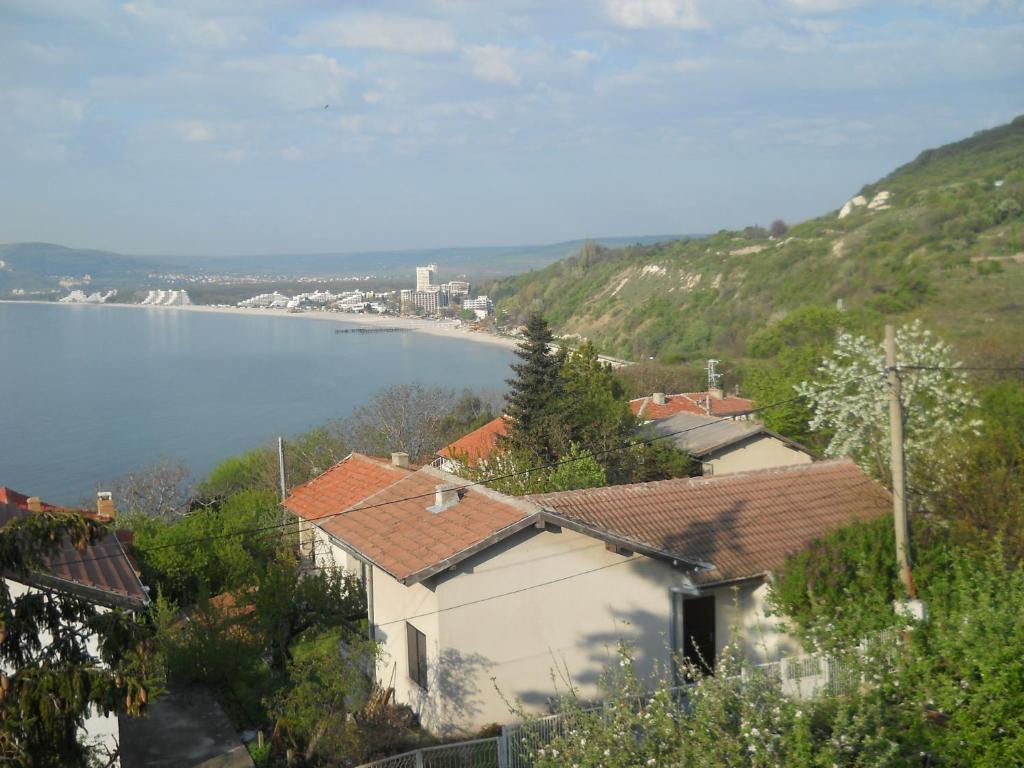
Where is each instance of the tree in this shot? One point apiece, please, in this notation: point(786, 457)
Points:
point(159, 490)
point(778, 228)
point(48, 689)
point(850, 399)
point(516, 473)
point(535, 394)
point(403, 417)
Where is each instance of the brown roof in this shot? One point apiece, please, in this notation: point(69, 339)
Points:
point(394, 528)
point(478, 444)
point(101, 572)
point(744, 524)
point(350, 480)
point(691, 402)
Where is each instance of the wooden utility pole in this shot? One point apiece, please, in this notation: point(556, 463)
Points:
point(899, 472)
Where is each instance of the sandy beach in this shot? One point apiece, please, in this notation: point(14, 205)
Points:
point(451, 329)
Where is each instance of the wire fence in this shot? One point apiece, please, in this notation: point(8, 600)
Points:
point(479, 753)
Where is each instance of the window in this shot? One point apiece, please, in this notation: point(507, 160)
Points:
point(417, 644)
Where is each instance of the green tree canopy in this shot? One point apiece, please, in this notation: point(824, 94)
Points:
point(535, 396)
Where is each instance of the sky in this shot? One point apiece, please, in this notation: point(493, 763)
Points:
point(298, 126)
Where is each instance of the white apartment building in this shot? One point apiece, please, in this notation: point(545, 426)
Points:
point(425, 278)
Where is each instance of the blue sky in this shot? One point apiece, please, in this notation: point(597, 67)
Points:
point(199, 126)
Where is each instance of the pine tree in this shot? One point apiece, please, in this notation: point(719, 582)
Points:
point(534, 395)
point(47, 691)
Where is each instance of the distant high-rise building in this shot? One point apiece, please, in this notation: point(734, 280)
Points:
point(425, 277)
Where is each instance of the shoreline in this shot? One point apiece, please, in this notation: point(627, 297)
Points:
point(443, 328)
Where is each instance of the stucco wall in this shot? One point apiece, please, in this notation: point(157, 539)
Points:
point(760, 452)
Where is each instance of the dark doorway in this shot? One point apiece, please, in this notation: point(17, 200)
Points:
point(699, 633)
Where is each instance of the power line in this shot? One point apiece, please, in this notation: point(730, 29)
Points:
point(465, 486)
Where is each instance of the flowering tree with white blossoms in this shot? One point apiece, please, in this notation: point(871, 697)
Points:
point(850, 400)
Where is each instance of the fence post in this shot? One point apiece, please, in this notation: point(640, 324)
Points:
point(419, 758)
point(503, 748)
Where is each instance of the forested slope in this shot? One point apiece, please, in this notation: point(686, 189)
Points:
point(945, 244)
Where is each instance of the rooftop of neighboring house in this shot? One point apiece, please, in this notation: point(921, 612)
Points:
point(700, 435)
point(479, 444)
point(350, 480)
point(745, 524)
point(714, 402)
point(35, 504)
point(102, 572)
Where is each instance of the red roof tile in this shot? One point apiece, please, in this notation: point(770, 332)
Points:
point(394, 528)
point(102, 569)
point(744, 524)
point(20, 500)
point(350, 480)
point(690, 402)
point(477, 445)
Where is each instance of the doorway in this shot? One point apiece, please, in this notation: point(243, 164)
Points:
point(699, 633)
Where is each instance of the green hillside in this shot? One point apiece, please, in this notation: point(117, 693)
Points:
point(948, 248)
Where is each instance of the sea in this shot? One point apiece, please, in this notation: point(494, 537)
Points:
point(89, 393)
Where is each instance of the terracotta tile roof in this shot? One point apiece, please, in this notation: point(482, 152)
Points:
point(744, 524)
point(394, 529)
point(690, 402)
point(102, 572)
point(478, 444)
point(350, 480)
point(20, 500)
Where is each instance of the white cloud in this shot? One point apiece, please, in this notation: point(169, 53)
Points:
point(195, 131)
point(183, 28)
point(292, 82)
point(403, 34)
point(493, 63)
point(645, 14)
point(824, 6)
point(583, 56)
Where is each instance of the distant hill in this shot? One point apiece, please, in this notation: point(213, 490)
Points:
point(945, 244)
point(40, 267)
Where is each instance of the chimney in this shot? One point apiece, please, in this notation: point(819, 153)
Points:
point(445, 496)
point(400, 459)
point(105, 505)
point(35, 504)
point(658, 398)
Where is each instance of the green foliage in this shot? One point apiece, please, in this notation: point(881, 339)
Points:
point(46, 691)
point(576, 469)
point(328, 680)
point(205, 550)
point(840, 587)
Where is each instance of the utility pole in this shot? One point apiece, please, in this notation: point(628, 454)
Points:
point(280, 469)
point(899, 472)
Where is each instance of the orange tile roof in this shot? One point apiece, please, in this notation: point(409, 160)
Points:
point(102, 569)
point(477, 445)
point(20, 500)
point(690, 402)
point(744, 524)
point(394, 529)
point(350, 480)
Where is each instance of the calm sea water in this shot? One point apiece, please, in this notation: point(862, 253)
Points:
point(88, 393)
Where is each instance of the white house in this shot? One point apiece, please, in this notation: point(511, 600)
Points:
point(478, 598)
point(101, 574)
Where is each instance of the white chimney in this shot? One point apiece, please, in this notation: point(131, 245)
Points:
point(400, 459)
point(658, 398)
point(445, 496)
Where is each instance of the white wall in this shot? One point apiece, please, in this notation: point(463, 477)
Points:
point(761, 452)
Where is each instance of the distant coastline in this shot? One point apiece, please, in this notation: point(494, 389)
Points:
point(443, 328)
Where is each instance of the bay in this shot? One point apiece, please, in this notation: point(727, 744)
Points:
point(88, 393)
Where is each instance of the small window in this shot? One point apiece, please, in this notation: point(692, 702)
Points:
point(417, 644)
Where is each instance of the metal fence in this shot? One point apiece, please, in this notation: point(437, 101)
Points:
point(479, 753)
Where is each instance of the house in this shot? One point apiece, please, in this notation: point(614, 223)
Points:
point(467, 586)
point(713, 402)
point(727, 445)
point(102, 573)
point(475, 447)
